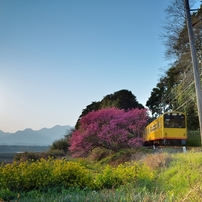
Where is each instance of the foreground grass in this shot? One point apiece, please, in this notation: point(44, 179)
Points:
point(124, 193)
point(183, 176)
point(176, 177)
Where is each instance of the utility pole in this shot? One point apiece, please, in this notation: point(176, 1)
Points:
point(195, 63)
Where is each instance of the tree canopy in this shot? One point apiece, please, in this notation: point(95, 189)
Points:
point(109, 128)
point(123, 99)
point(175, 89)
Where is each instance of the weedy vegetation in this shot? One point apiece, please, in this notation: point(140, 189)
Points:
point(141, 175)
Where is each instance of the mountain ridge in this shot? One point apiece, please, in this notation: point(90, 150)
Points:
point(28, 136)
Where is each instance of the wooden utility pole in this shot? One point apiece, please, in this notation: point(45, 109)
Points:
point(195, 64)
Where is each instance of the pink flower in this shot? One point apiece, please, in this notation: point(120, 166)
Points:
point(110, 128)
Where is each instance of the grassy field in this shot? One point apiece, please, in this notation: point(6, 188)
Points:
point(167, 175)
point(162, 175)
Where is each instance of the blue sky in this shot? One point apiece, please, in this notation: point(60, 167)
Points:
point(59, 56)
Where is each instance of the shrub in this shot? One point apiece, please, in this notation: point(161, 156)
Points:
point(117, 158)
point(26, 156)
point(34, 156)
point(55, 153)
point(194, 138)
point(112, 177)
point(44, 174)
point(71, 174)
point(6, 194)
point(99, 154)
point(61, 144)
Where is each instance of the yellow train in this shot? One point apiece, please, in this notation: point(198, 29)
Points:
point(168, 129)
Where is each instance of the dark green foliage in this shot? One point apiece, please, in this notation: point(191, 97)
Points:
point(192, 117)
point(61, 144)
point(154, 102)
point(194, 139)
point(176, 90)
point(7, 195)
point(161, 96)
point(123, 99)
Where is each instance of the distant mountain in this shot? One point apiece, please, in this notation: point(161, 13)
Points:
point(3, 133)
point(56, 132)
point(42, 137)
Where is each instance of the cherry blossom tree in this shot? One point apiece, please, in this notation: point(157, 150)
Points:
point(109, 128)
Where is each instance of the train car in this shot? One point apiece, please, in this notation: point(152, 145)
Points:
point(168, 129)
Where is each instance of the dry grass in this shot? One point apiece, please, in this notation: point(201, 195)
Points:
point(157, 160)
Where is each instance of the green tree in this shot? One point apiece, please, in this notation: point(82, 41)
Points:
point(123, 99)
point(60, 144)
point(175, 90)
point(63, 143)
point(192, 116)
point(157, 101)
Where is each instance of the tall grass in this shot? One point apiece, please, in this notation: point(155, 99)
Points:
point(126, 193)
point(183, 175)
point(159, 177)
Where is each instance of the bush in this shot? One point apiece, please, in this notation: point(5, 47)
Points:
point(99, 154)
point(71, 174)
point(43, 175)
point(194, 138)
point(25, 156)
point(61, 144)
point(112, 177)
point(34, 156)
point(55, 153)
point(6, 194)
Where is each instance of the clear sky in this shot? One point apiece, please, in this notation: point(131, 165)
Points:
point(58, 56)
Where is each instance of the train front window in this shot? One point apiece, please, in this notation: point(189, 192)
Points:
point(174, 120)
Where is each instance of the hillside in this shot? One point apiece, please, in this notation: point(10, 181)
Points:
point(28, 137)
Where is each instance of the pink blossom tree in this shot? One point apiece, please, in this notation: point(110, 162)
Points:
point(109, 128)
